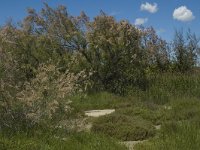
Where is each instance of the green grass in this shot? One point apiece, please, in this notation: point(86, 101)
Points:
point(175, 136)
point(177, 85)
point(173, 101)
point(77, 141)
point(185, 109)
point(135, 119)
point(181, 128)
point(102, 100)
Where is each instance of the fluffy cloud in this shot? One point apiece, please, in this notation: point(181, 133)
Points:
point(152, 8)
point(183, 14)
point(140, 21)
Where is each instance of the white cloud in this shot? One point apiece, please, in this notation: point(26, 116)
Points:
point(152, 8)
point(183, 14)
point(140, 21)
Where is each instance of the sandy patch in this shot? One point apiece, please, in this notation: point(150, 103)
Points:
point(130, 144)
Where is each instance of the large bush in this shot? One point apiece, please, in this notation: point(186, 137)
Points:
point(40, 100)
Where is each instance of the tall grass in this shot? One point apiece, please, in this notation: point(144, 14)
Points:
point(175, 136)
point(48, 141)
point(164, 87)
point(101, 100)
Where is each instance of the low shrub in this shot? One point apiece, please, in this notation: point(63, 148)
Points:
point(124, 127)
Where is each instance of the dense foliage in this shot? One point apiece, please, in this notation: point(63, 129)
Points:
point(51, 56)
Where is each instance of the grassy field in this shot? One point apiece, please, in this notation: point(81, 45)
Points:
point(171, 102)
point(40, 140)
point(175, 136)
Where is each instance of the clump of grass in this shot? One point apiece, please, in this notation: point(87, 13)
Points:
point(156, 115)
point(123, 127)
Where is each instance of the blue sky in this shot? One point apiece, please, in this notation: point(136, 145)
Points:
point(156, 13)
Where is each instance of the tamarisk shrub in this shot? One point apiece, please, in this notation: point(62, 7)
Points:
point(44, 98)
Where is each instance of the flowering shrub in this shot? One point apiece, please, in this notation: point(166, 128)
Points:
point(45, 95)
